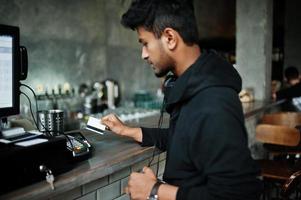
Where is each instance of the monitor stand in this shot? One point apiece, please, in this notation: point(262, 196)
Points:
point(4, 126)
point(3, 122)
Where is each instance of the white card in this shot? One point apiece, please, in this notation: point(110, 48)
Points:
point(95, 125)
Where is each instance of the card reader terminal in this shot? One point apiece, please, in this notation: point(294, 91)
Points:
point(78, 144)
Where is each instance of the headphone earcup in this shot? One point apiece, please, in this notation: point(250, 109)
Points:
point(168, 83)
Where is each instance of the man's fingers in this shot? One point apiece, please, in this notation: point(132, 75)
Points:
point(147, 170)
point(112, 118)
point(108, 120)
point(109, 124)
point(108, 117)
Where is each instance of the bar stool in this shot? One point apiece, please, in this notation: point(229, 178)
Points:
point(276, 172)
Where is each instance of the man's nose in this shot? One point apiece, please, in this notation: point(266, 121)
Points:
point(144, 54)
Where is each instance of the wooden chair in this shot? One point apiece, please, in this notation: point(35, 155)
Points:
point(290, 119)
point(292, 184)
point(277, 134)
point(290, 187)
point(276, 172)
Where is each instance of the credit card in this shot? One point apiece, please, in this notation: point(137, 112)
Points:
point(95, 125)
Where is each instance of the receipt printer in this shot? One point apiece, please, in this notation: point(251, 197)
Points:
point(20, 164)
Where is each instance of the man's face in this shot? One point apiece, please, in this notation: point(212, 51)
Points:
point(154, 52)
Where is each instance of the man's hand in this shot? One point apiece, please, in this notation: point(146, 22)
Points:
point(118, 127)
point(114, 124)
point(141, 184)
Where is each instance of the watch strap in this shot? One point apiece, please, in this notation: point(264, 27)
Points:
point(154, 192)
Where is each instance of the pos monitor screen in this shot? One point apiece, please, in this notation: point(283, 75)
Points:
point(9, 71)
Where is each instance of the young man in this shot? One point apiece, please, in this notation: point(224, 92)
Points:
point(292, 76)
point(206, 142)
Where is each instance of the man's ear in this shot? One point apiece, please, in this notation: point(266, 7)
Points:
point(170, 37)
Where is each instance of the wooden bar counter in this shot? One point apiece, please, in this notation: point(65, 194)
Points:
point(105, 174)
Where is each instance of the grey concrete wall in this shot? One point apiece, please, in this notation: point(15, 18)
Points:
point(124, 61)
point(254, 45)
point(64, 39)
point(292, 37)
point(215, 19)
point(78, 41)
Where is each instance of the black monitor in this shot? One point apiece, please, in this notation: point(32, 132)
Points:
point(9, 71)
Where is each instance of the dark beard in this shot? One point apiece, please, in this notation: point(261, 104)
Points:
point(162, 73)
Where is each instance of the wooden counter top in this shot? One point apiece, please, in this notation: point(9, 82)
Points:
point(111, 153)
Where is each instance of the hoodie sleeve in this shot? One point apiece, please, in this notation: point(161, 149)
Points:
point(155, 136)
point(221, 152)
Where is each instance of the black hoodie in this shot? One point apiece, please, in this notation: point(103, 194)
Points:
point(206, 142)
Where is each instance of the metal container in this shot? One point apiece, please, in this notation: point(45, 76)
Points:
point(42, 115)
point(51, 121)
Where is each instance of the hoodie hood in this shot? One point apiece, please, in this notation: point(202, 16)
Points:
point(209, 70)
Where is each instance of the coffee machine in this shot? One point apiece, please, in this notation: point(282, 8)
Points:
point(101, 96)
point(112, 93)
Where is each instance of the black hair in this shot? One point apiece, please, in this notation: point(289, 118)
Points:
point(291, 72)
point(156, 15)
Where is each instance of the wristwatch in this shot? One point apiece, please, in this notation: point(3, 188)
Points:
point(154, 192)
